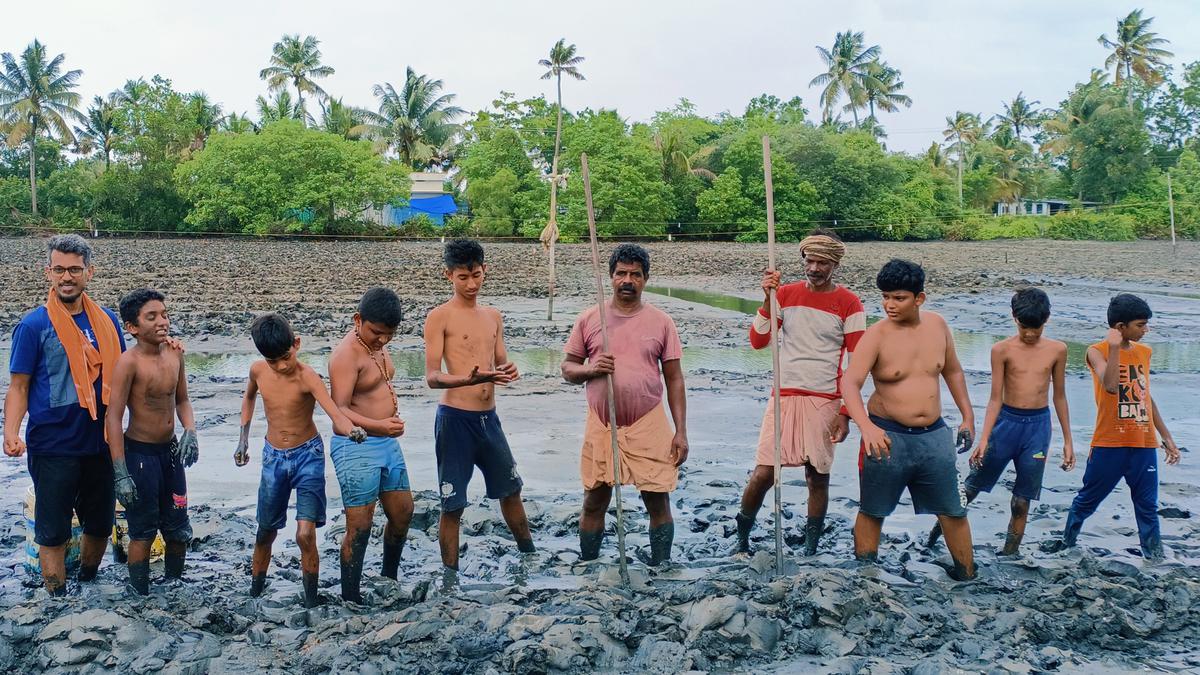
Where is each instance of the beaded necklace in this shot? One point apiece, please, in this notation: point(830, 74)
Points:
point(382, 372)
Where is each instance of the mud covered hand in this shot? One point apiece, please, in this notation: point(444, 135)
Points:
point(478, 376)
point(189, 448)
point(1068, 462)
point(876, 442)
point(123, 484)
point(965, 439)
point(176, 344)
point(359, 435)
point(241, 456)
point(1114, 337)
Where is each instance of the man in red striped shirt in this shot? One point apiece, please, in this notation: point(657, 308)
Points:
point(820, 322)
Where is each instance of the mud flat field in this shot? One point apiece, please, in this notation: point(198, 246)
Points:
point(1099, 608)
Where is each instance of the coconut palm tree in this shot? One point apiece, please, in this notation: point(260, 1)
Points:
point(1018, 115)
point(883, 92)
point(1087, 103)
point(100, 128)
point(962, 129)
point(37, 98)
point(676, 162)
point(207, 117)
point(278, 107)
point(1010, 156)
point(1136, 50)
point(236, 124)
point(415, 122)
point(296, 62)
point(341, 119)
point(563, 59)
point(848, 70)
point(934, 157)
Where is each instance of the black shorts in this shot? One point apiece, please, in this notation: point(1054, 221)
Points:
point(922, 460)
point(465, 439)
point(62, 485)
point(161, 504)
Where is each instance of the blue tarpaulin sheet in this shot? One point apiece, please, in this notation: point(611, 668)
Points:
point(434, 208)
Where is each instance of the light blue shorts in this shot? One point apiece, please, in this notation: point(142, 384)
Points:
point(364, 470)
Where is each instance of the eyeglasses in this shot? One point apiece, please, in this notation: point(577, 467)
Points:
point(75, 271)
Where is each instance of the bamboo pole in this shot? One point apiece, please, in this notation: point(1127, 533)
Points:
point(778, 436)
point(612, 398)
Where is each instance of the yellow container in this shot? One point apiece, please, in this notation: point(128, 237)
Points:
point(32, 564)
point(120, 539)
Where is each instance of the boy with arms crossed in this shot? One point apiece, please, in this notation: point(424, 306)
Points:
point(148, 461)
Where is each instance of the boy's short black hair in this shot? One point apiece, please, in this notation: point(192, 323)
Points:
point(131, 305)
point(466, 253)
point(901, 275)
point(1031, 307)
point(381, 305)
point(1127, 308)
point(272, 335)
point(629, 253)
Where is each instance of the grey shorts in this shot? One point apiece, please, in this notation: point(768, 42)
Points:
point(922, 460)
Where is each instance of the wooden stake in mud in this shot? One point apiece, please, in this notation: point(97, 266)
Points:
point(778, 437)
point(549, 235)
point(612, 397)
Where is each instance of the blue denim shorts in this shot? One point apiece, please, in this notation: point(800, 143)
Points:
point(1022, 437)
point(364, 470)
point(300, 469)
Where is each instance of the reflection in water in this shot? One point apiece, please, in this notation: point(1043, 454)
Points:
point(974, 349)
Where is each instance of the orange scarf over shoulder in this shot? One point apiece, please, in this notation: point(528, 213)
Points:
point(85, 360)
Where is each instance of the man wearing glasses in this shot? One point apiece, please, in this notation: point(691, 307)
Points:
point(63, 356)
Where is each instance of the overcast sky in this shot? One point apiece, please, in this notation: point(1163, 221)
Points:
point(641, 56)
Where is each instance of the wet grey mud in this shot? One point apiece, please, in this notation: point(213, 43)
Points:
point(1097, 608)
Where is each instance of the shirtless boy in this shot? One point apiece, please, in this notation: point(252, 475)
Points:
point(360, 380)
point(469, 339)
point(1016, 426)
point(293, 453)
point(148, 461)
point(905, 441)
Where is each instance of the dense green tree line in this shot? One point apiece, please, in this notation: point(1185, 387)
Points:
point(148, 157)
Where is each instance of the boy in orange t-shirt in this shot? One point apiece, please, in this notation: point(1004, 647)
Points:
point(1124, 441)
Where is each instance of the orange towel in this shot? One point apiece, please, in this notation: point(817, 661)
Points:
point(645, 450)
point(85, 360)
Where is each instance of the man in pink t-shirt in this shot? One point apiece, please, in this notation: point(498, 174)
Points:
point(644, 350)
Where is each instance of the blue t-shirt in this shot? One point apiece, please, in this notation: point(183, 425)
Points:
point(58, 425)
